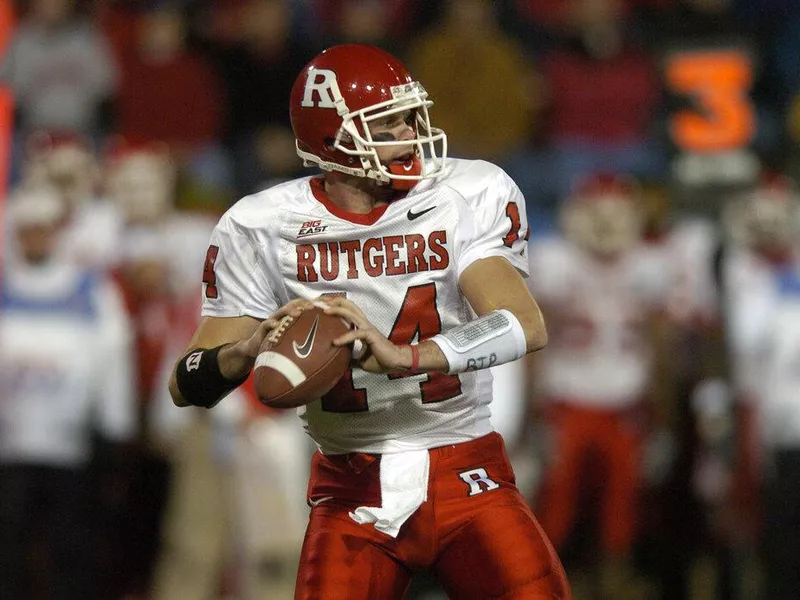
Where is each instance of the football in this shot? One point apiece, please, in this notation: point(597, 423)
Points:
point(297, 361)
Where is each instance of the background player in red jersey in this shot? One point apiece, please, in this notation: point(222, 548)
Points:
point(426, 257)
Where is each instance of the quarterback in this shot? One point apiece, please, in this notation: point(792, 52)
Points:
point(425, 256)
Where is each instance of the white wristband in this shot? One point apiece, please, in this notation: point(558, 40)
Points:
point(493, 339)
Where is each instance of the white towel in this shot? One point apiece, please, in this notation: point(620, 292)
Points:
point(404, 487)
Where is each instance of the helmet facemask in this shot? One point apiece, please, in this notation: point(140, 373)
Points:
point(428, 148)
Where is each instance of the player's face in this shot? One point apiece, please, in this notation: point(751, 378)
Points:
point(397, 126)
point(605, 226)
point(72, 171)
point(772, 222)
point(142, 187)
point(38, 242)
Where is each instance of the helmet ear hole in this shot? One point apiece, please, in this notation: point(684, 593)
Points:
point(329, 142)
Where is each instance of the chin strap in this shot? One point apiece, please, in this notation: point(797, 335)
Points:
point(415, 169)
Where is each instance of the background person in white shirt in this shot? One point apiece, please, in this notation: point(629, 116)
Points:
point(65, 373)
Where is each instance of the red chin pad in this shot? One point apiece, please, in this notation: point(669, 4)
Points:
point(411, 167)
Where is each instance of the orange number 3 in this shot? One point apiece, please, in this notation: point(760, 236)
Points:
point(719, 82)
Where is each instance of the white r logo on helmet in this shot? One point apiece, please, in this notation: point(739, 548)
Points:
point(322, 81)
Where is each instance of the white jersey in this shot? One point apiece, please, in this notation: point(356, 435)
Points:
point(598, 354)
point(685, 257)
point(65, 364)
point(401, 264)
point(763, 318)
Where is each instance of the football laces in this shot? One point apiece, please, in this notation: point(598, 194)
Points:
point(275, 335)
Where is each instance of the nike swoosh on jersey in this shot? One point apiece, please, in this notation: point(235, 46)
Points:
point(412, 215)
point(303, 350)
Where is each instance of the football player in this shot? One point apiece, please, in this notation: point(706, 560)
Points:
point(596, 385)
point(425, 256)
point(762, 310)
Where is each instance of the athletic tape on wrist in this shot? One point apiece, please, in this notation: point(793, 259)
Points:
point(493, 339)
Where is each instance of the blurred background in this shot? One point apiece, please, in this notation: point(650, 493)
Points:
point(657, 143)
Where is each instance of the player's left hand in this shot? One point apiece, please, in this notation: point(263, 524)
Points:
point(380, 355)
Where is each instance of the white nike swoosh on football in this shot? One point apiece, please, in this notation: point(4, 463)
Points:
point(314, 503)
point(304, 349)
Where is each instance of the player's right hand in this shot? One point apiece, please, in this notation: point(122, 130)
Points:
point(380, 354)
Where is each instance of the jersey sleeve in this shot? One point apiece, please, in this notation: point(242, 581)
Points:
point(234, 275)
point(497, 223)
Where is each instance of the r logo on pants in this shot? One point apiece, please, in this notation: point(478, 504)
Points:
point(474, 478)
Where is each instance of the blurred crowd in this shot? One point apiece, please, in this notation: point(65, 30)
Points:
point(656, 142)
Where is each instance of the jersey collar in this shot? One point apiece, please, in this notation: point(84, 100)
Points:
point(318, 189)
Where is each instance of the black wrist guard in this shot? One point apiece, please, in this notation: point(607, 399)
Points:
point(200, 381)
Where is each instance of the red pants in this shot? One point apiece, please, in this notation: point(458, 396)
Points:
point(475, 532)
point(601, 442)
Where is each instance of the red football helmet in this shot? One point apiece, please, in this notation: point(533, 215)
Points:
point(339, 93)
